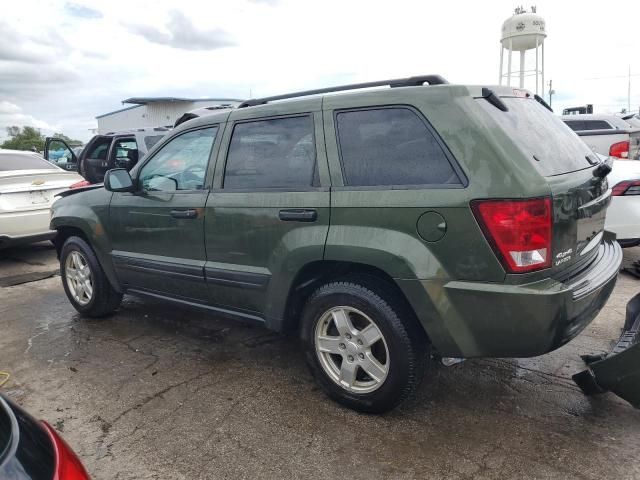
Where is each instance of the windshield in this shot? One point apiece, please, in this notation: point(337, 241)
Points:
point(27, 161)
point(550, 144)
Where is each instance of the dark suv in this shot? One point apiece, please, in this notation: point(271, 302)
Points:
point(383, 224)
point(105, 151)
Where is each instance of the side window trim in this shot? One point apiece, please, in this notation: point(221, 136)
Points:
point(160, 145)
point(231, 125)
point(212, 153)
point(464, 181)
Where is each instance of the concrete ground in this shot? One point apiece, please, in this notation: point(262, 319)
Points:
point(157, 392)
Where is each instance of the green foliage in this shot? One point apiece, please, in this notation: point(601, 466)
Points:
point(70, 141)
point(24, 139)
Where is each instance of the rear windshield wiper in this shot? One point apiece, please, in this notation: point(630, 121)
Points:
point(541, 101)
point(490, 96)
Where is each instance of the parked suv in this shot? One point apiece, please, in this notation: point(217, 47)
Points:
point(103, 152)
point(383, 224)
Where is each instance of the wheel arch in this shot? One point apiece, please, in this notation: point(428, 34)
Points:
point(320, 272)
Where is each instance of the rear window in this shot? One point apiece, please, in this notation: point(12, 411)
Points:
point(16, 161)
point(550, 144)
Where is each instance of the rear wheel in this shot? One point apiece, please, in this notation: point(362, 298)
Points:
point(364, 348)
point(85, 283)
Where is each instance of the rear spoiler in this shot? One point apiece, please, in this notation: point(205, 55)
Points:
point(607, 131)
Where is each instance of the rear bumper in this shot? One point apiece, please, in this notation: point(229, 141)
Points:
point(468, 319)
point(618, 371)
point(25, 227)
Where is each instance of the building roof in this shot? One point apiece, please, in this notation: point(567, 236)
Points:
point(118, 111)
point(145, 100)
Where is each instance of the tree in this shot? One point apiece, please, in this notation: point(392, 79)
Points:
point(26, 138)
point(70, 141)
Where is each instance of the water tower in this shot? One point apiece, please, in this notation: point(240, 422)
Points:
point(521, 32)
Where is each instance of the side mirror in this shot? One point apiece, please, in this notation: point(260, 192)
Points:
point(118, 180)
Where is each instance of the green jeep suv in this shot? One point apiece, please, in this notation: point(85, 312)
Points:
point(385, 225)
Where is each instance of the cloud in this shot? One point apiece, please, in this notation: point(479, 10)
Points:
point(11, 114)
point(82, 11)
point(181, 33)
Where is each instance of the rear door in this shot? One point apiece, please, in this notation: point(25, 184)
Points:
point(269, 211)
point(580, 200)
point(158, 231)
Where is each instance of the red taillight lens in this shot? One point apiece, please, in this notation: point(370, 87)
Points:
point(519, 231)
point(80, 184)
point(620, 150)
point(627, 187)
point(68, 467)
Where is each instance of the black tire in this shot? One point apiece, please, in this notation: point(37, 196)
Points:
point(407, 344)
point(104, 299)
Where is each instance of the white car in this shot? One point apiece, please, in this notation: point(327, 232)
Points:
point(623, 215)
point(28, 185)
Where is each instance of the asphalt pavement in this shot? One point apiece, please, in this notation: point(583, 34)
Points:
point(159, 392)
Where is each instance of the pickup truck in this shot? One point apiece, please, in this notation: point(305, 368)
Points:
point(607, 134)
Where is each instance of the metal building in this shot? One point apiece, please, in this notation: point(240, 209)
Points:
point(154, 112)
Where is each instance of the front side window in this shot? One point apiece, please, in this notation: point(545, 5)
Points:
point(181, 164)
point(126, 153)
point(274, 153)
point(390, 146)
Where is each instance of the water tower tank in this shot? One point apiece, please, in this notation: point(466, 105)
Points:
point(521, 32)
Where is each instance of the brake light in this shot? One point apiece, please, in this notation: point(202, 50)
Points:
point(627, 187)
point(620, 150)
point(80, 184)
point(518, 230)
point(68, 467)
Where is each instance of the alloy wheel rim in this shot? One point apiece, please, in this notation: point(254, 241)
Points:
point(79, 277)
point(351, 349)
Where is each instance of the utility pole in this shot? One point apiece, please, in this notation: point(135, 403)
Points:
point(629, 91)
point(551, 91)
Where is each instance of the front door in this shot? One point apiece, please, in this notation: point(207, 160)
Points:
point(158, 231)
point(268, 214)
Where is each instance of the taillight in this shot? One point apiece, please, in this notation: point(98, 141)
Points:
point(518, 230)
point(80, 184)
point(627, 187)
point(620, 150)
point(68, 467)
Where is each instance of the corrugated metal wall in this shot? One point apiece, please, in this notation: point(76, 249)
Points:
point(155, 114)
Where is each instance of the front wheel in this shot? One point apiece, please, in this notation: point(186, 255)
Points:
point(365, 349)
point(85, 283)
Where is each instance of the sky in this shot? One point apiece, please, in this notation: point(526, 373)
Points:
point(63, 63)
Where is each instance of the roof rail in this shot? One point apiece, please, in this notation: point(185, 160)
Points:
point(398, 82)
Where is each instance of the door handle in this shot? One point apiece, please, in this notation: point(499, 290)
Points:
point(298, 215)
point(188, 213)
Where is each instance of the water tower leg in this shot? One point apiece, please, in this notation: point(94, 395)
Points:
point(537, 45)
point(542, 71)
point(501, 57)
point(522, 68)
point(509, 63)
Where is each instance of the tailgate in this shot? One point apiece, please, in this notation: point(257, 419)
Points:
point(618, 371)
point(580, 203)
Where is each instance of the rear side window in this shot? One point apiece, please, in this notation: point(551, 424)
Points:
point(390, 146)
point(273, 153)
point(542, 136)
point(152, 140)
point(28, 161)
point(597, 125)
point(575, 125)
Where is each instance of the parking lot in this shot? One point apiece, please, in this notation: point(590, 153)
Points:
point(160, 392)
